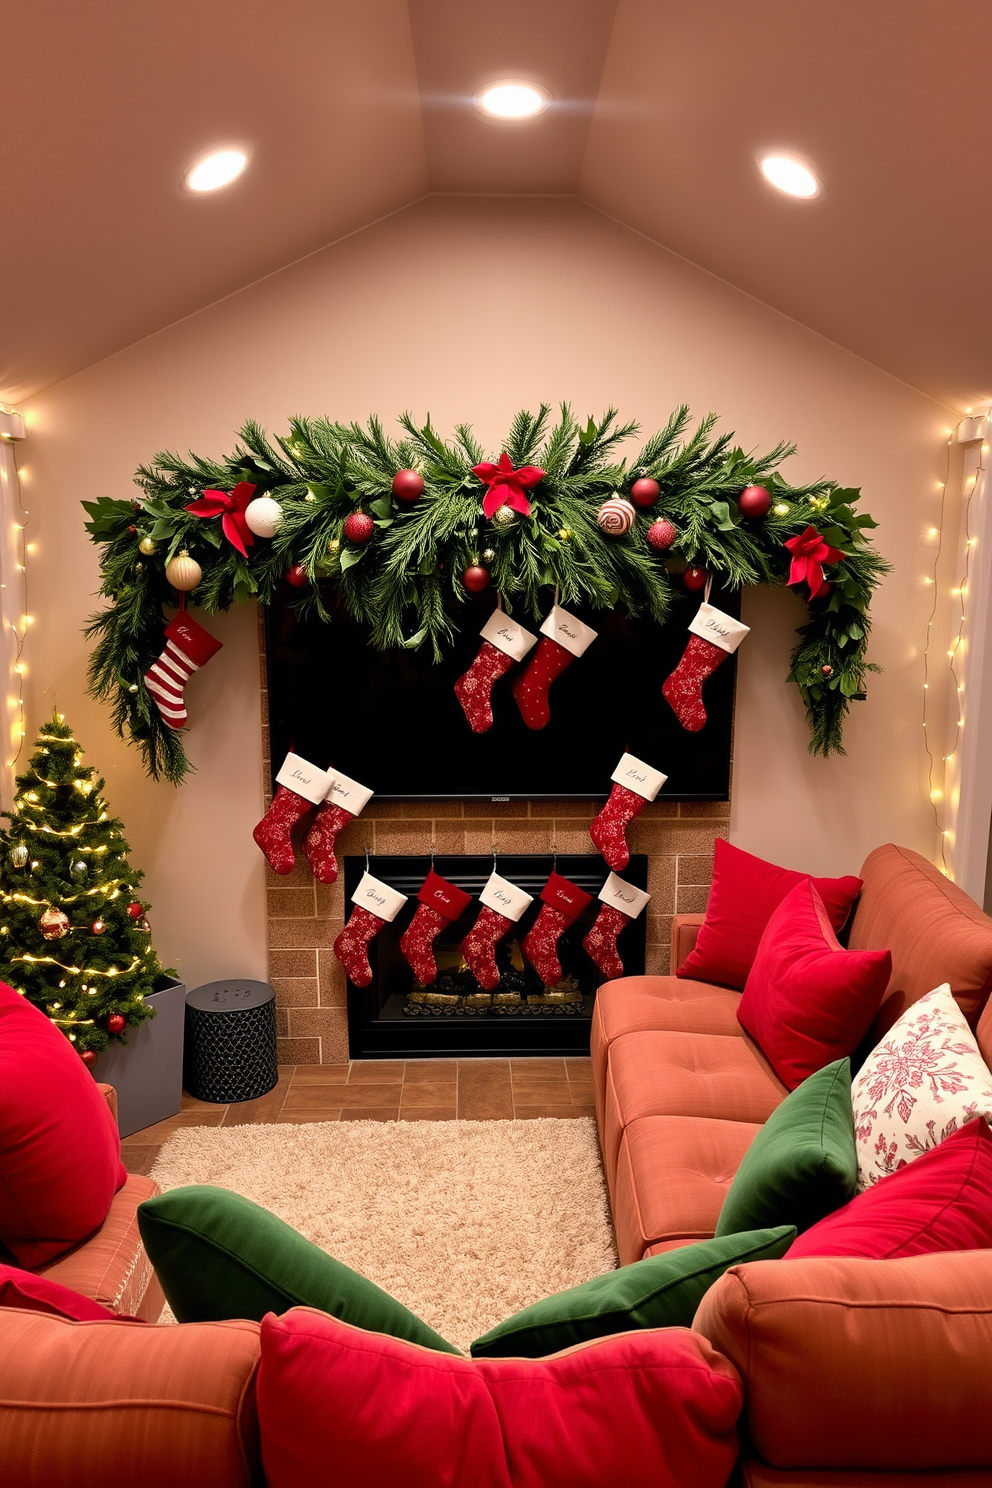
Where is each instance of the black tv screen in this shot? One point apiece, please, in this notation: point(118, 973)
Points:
point(391, 720)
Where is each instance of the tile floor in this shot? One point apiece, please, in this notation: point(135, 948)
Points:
point(391, 1090)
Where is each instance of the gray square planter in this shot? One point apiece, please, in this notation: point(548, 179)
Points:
point(148, 1074)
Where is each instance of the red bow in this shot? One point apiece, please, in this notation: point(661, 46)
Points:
point(230, 507)
point(506, 485)
point(809, 552)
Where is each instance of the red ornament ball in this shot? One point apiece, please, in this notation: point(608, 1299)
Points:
point(661, 535)
point(88, 1056)
point(297, 576)
point(824, 593)
point(358, 527)
point(407, 485)
point(754, 501)
point(135, 910)
point(645, 492)
point(695, 578)
point(476, 578)
point(827, 670)
point(116, 1023)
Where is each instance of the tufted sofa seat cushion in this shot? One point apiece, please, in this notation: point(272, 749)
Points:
point(672, 1176)
point(684, 1074)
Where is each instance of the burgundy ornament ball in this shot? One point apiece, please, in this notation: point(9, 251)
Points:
point(407, 485)
point(476, 578)
point(661, 535)
point(116, 1023)
point(135, 910)
point(358, 527)
point(645, 492)
point(754, 501)
point(297, 576)
point(88, 1056)
point(695, 578)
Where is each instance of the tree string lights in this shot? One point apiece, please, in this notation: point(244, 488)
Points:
point(13, 559)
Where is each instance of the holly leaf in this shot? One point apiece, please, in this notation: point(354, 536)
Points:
point(588, 434)
point(110, 518)
point(320, 491)
point(211, 532)
point(162, 529)
point(865, 521)
point(350, 557)
point(417, 639)
point(383, 507)
point(721, 516)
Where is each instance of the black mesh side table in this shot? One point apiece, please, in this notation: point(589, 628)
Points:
point(230, 1052)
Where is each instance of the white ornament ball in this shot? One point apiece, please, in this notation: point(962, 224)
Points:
point(183, 572)
point(263, 516)
point(616, 516)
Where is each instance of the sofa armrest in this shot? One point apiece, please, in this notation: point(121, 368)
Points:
point(685, 928)
point(110, 1096)
point(851, 1363)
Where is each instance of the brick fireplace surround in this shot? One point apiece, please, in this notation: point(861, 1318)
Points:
point(305, 916)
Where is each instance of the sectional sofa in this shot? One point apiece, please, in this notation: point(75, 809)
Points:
point(854, 1372)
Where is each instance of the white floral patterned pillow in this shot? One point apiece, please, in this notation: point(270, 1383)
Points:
point(921, 1083)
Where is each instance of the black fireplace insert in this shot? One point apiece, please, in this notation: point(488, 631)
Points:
point(396, 1017)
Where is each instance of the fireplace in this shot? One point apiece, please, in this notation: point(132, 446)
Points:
point(395, 1017)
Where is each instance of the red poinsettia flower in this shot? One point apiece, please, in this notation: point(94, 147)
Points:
point(230, 507)
point(809, 552)
point(506, 485)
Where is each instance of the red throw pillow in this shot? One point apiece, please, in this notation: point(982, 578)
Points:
point(30, 1293)
point(745, 894)
point(808, 1001)
point(60, 1154)
point(940, 1201)
point(653, 1409)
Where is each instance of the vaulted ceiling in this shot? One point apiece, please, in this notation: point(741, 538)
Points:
point(354, 108)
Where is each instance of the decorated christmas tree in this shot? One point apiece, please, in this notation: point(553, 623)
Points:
point(74, 937)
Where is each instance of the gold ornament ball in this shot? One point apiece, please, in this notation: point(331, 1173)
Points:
point(503, 518)
point(147, 546)
point(564, 534)
point(183, 572)
point(781, 508)
point(54, 924)
point(488, 554)
point(334, 544)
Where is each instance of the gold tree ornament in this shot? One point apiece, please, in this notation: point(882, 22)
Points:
point(183, 572)
point(503, 518)
point(148, 546)
point(54, 924)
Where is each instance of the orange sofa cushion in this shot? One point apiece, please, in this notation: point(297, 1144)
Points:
point(673, 1173)
point(684, 1074)
point(934, 931)
point(861, 1363)
point(84, 1405)
point(653, 1004)
point(111, 1267)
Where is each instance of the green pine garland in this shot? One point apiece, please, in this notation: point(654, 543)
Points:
point(406, 585)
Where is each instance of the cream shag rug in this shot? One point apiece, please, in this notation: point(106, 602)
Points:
point(463, 1221)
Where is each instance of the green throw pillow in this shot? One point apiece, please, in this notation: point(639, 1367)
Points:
point(660, 1292)
point(803, 1164)
point(220, 1256)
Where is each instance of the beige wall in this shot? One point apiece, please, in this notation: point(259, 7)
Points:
point(467, 309)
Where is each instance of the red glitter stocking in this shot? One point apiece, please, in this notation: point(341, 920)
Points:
point(562, 902)
point(319, 845)
point(440, 903)
point(474, 688)
point(479, 946)
point(601, 941)
point(532, 686)
point(272, 832)
point(609, 829)
point(344, 801)
point(350, 946)
point(684, 689)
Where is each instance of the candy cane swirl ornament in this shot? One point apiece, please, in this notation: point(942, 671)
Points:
point(616, 516)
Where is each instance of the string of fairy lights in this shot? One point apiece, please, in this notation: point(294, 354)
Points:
point(973, 488)
point(16, 632)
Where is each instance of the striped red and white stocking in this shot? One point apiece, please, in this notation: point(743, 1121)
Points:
point(188, 647)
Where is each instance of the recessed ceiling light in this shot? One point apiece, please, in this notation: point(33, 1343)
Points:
point(215, 170)
point(790, 175)
point(511, 100)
